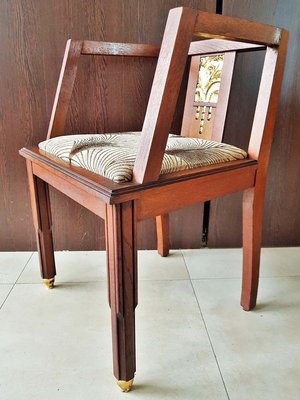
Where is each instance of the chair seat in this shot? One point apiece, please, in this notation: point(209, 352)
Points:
point(112, 155)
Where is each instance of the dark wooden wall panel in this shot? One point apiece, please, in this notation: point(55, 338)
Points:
point(282, 211)
point(33, 36)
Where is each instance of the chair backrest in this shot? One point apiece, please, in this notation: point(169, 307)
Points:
point(209, 84)
point(182, 25)
point(221, 34)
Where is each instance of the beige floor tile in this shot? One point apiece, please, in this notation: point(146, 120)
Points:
point(4, 290)
point(11, 265)
point(258, 351)
point(80, 266)
point(227, 263)
point(57, 345)
point(71, 266)
point(173, 348)
point(152, 266)
point(281, 261)
point(213, 263)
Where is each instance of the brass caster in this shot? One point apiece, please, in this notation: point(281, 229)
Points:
point(125, 386)
point(49, 282)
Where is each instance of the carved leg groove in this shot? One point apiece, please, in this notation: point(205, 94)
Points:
point(40, 204)
point(162, 230)
point(252, 229)
point(122, 273)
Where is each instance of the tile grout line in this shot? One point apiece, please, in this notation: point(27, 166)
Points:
point(235, 278)
point(154, 280)
point(103, 281)
point(206, 329)
point(14, 284)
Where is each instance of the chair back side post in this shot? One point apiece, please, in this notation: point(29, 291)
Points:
point(64, 88)
point(164, 93)
point(267, 103)
point(74, 49)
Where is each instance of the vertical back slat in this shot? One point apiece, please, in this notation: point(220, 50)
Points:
point(223, 98)
point(189, 109)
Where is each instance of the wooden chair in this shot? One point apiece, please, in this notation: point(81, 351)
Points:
point(151, 194)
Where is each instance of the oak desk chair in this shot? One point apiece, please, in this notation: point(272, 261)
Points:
point(153, 179)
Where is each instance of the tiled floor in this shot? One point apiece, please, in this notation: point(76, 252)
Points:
point(193, 339)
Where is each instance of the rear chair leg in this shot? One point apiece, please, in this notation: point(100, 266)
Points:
point(252, 231)
point(162, 231)
point(122, 277)
point(40, 205)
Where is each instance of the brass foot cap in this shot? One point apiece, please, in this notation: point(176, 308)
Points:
point(49, 283)
point(125, 386)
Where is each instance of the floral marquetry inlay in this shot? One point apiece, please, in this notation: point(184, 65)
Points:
point(209, 79)
point(208, 86)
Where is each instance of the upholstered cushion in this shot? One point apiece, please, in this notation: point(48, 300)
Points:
point(113, 155)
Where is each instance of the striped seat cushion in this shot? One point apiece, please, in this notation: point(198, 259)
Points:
point(112, 155)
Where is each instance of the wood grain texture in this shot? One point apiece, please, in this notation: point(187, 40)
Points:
point(64, 89)
point(259, 148)
point(42, 221)
point(162, 232)
point(78, 194)
point(228, 210)
point(252, 230)
point(223, 97)
point(189, 110)
point(217, 26)
point(119, 49)
point(112, 192)
point(164, 94)
point(166, 198)
point(281, 226)
point(212, 46)
point(122, 272)
point(34, 36)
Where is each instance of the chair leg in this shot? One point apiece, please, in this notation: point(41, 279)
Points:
point(162, 231)
point(122, 277)
point(41, 212)
point(252, 230)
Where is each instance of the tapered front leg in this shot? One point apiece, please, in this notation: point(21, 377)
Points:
point(122, 274)
point(162, 231)
point(41, 212)
point(252, 230)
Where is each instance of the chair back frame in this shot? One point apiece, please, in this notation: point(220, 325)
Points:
point(154, 134)
point(225, 34)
